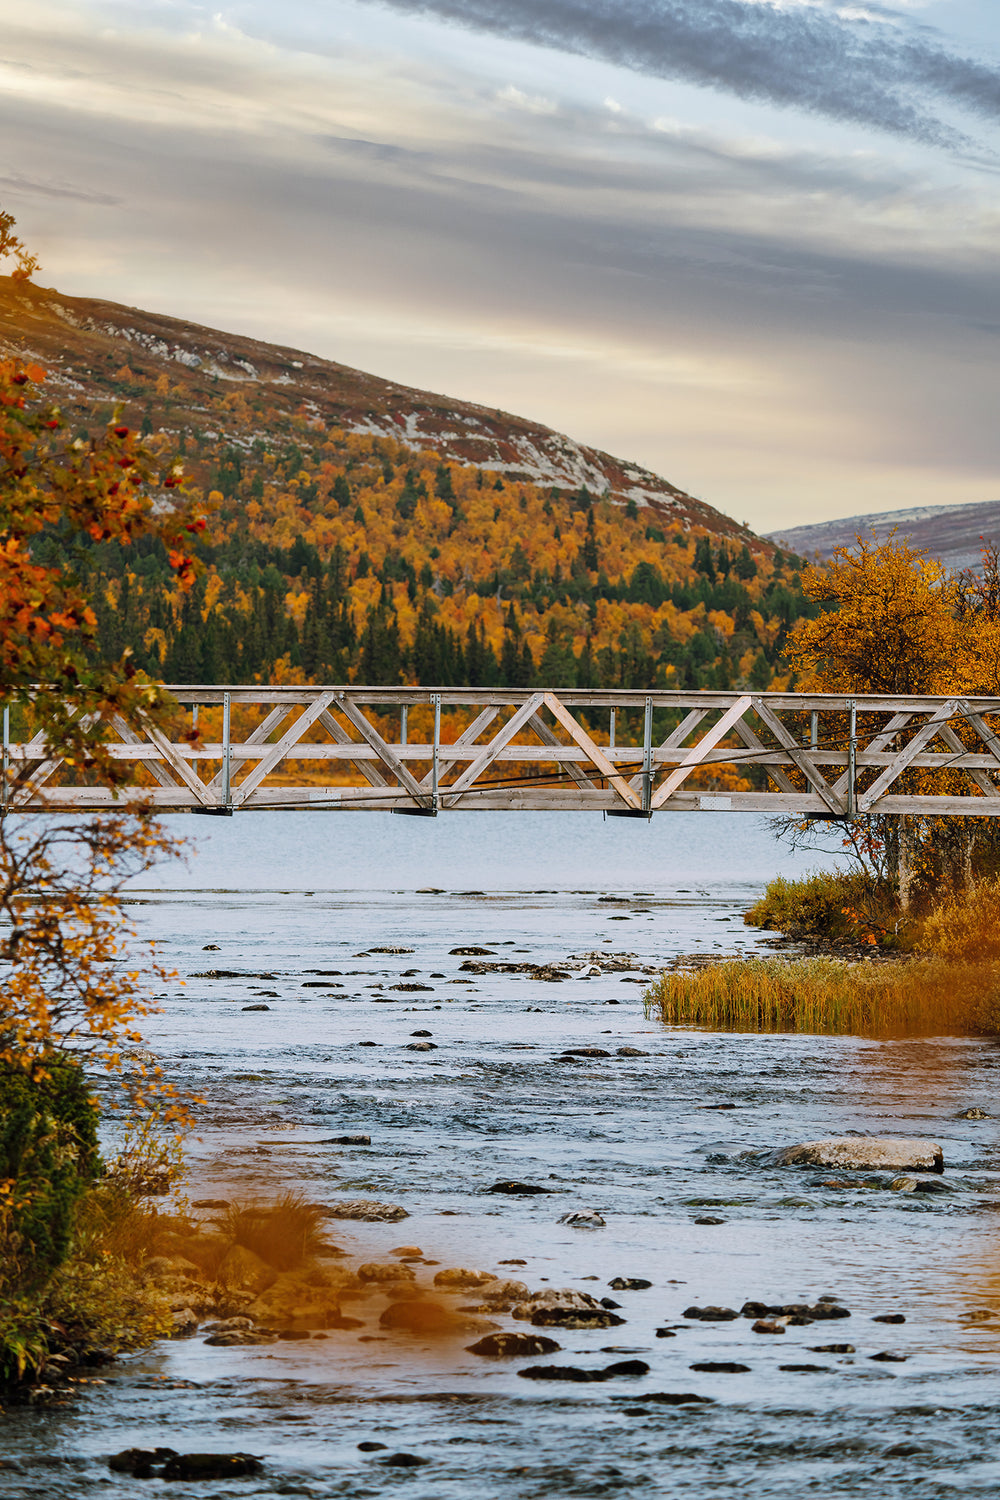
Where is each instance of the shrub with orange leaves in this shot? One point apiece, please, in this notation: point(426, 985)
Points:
point(72, 977)
point(55, 490)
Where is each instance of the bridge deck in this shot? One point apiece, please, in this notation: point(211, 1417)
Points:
point(425, 751)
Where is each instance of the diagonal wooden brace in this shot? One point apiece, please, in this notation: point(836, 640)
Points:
point(373, 776)
point(697, 753)
point(467, 737)
point(923, 736)
point(988, 736)
point(491, 750)
point(800, 757)
point(986, 786)
point(544, 733)
point(368, 732)
point(176, 761)
point(877, 745)
point(754, 742)
point(593, 752)
point(674, 738)
point(129, 736)
point(255, 737)
point(277, 753)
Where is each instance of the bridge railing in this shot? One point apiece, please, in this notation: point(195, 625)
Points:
point(631, 753)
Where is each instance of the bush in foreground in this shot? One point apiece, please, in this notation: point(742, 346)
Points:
point(844, 906)
point(73, 1237)
point(919, 997)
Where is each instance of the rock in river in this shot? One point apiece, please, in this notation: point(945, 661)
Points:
point(511, 1345)
point(518, 1189)
point(460, 1279)
point(575, 1373)
point(565, 1307)
point(393, 1270)
point(366, 1209)
point(583, 1218)
point(429, 1318)
point(866, 1153)
point(711, 1314)
point(211, 1466)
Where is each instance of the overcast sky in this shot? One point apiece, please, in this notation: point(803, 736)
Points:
point(751, 245)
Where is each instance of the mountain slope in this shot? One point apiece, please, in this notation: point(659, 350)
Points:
point(79, 339)
point(952, 533)
point(350, 537)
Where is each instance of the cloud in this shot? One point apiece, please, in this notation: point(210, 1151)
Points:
point(770, 324)
point(19, 184)
point(872, 68)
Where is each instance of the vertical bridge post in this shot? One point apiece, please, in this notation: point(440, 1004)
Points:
point(852, 760)
point(647, 760)
point(227, 796)
point(436, 697)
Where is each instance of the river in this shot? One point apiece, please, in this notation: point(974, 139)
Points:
point(639, 1139)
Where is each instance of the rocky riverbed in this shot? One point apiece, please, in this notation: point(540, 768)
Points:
point(568, 1255)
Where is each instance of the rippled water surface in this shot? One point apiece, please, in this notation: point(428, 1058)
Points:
point(639, 1139)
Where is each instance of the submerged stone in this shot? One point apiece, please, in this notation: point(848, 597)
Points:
point(518, 1189)
point(211, 1466)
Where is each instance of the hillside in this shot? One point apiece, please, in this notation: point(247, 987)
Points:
point(363, 531)
point(952, 533)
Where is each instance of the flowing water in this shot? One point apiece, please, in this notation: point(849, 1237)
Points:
point(639, 1139)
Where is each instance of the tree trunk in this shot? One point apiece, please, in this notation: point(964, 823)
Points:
point(902, 842)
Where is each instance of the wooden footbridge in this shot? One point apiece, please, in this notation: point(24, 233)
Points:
point(423, 751)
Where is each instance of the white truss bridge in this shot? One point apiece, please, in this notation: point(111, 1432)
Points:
point(426, 751)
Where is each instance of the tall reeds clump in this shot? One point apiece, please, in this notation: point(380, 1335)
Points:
point(285, 1233)
point(919, 997)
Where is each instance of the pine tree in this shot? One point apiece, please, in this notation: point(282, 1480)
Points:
point(590, 558)
point(703, 560)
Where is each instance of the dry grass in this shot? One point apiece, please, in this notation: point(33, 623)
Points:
point(965, 925)
point(921, 997)
point(285, 1233)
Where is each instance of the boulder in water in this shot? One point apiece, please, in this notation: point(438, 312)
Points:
point(512, 1345)
point(866, 1154)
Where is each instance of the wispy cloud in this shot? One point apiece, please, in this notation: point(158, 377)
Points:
point(869, 67)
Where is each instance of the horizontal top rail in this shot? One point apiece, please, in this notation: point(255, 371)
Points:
point(662, 698)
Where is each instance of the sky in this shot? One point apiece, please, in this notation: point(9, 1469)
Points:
point(750, 244)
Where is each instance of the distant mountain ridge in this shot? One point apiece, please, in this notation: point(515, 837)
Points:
point(78, 339)
point(953, 533)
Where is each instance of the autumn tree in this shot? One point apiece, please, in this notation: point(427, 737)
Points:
point(70, 980)
point(12, 247)
point(888, 624)
point(894, 621)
